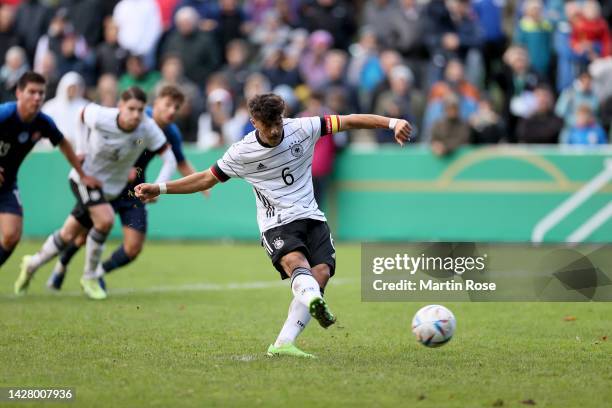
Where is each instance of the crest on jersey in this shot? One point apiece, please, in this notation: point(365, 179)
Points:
point(35, 137)
point(278, 243)
point(297, 150)
point(23, 137)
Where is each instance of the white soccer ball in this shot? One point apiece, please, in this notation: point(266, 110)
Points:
point(434, 325)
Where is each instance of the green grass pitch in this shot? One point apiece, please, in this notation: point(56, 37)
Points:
point(188, 325)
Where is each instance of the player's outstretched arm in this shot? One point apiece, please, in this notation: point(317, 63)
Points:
point(66, 149)
point(186, 169)
point(401, 128)
point(201, 181)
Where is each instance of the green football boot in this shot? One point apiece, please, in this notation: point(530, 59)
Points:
point(320, 311)
point(92, 289)
point(23, 280)
point(288, 349)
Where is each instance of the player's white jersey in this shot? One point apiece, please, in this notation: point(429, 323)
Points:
point(281, 176)
point(111, 152)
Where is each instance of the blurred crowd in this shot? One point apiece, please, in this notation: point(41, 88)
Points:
point(463, 71)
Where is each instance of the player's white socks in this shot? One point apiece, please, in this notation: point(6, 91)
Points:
point(297, 319)
point(93, 252)
point(52, 246)
point(304, 286)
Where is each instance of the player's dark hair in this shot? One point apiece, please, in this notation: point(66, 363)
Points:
point(267, 108)
point(30, 77)
point(134, 92)
point(173, 93)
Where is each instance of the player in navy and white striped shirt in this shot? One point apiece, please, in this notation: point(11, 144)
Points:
point(276, 159)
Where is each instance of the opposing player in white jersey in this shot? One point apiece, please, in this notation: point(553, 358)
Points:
point(276, 160)
point(117, 137)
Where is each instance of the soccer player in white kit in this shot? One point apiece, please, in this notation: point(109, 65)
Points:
point(117, 137)
point(276, 159)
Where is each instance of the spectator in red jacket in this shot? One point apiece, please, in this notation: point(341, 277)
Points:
point(590, 37)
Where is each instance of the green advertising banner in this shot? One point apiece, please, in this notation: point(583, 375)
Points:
point(489, 194)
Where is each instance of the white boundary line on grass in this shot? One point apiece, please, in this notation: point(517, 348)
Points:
point(191, 287)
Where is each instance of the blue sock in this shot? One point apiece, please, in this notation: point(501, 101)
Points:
point(118, 259)
point(4, 254)
point(68, 253)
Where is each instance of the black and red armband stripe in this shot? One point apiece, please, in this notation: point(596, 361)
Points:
point(330, 124)
point(218, 173)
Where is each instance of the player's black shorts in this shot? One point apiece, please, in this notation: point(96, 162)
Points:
point(131, 210)
point(10, 202)
point(310, 237)
point(86, 197)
